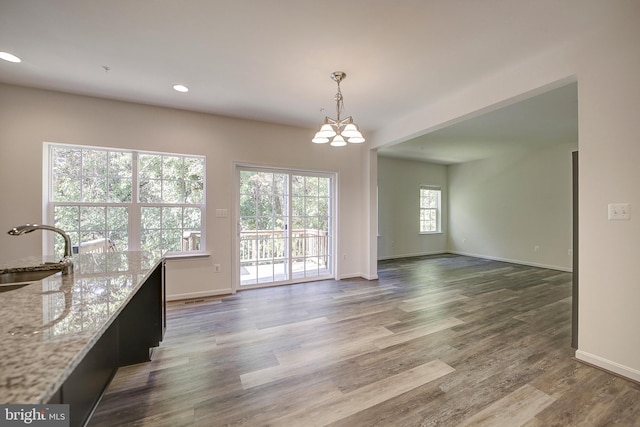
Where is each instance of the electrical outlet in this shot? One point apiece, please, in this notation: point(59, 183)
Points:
point(216, 268)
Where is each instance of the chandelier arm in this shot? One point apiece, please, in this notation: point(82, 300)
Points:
point(344, 122)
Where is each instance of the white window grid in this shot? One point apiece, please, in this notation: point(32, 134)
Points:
point(430, 209)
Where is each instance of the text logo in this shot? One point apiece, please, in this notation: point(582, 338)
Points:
point(34, 415)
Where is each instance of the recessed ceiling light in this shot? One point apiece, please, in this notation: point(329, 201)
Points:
point(181, 88)
point(9, 57)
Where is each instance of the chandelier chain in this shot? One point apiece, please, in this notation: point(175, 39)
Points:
point(339, 102)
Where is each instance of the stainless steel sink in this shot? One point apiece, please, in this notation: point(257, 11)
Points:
point(24, 277)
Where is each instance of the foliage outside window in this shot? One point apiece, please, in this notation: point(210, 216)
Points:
point(430, 209)
point(118, 200)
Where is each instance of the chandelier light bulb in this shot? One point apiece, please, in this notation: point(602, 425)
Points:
point(350, 130)
point(9, 57)
point(338, 141)
point(319, 139)
point(326, 131)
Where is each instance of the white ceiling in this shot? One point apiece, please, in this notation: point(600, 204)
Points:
point(546, 119)
point(271, 60)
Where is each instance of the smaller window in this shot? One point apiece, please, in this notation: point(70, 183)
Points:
point(430, 209)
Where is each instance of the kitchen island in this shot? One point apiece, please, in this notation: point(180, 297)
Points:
point(64, 337)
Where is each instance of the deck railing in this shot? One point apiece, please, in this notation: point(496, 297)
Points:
point(100, 245)
point(190, 241)
point(268, 245)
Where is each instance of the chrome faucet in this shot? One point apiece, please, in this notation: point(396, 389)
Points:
point(66, 263)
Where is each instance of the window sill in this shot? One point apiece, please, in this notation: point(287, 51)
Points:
point(430, 232)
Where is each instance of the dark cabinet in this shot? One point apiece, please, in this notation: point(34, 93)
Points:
point(84, 387)
point(141, 322)
point(130, 339)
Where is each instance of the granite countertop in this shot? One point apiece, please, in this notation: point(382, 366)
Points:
point(47, 327)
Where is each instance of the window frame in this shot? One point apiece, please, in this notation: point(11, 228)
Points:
point(437, 209)
point(134, 206)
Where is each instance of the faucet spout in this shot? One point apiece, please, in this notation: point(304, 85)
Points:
point(28, 228)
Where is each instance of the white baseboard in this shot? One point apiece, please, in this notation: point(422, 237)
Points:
point(608, 365)
point(358, 276)
point(513, 261)
point(386, 258)
point(203, 294)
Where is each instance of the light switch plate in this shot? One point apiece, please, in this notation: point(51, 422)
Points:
point(619, 211)
point(222, 213)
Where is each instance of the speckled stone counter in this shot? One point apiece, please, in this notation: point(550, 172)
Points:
point(47, 327)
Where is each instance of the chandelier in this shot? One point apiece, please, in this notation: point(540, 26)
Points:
point(338, 131)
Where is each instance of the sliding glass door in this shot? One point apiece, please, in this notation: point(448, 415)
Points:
point(285, 226)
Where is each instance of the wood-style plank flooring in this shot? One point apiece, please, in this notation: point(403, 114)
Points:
point(436, 341)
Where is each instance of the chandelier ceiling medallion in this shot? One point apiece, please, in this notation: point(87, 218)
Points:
point(338, 131)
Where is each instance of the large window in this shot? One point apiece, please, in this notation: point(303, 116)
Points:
point(429, 209)
point(117, 200)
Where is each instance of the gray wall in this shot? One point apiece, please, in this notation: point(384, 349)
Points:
point(515, 207)
point(398, 208)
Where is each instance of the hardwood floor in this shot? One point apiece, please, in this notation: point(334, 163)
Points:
point(436, 341)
